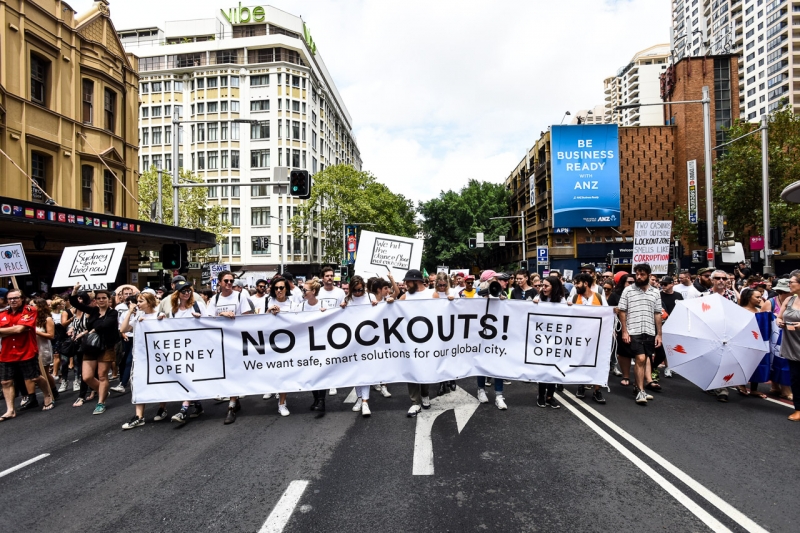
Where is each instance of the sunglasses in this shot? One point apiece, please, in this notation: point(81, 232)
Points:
point(281, 288)
point(629, 282)
point(719, 278)
point(186, 291)
point(357, 290)
point(261, 287)
point(227, 281)
point(470, 282)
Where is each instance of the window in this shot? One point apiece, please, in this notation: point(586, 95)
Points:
point(223, 134)
point(109, 182)
point(314, 140)
point(260, 130)
point(235, 81)
point(295, 158)
point(259, 216)
point(259, 80)
point(201, 160)
point(296, 106)
point(259, 105)
point(145, 163)
point(156, 111)
point(157, 161)
point(260, 245)
point(145, 112)
point(296, 81)
point(179, 110)
point(40, 68)
point(234, 106)
point(259, 158)
point(223, 106)
point(110, 106)
point(223, 160)
point(87, 180)
point(280, 104)
point(212, 107)
point(234, 159)
point(156, 86)
point(280, 128)
point(168, 162)
point(295, 130)
point(201, 132)
point(167, 134)
point(145, 136)
point(145, 88)
point(236, 245)
point(167, 86)
point(201, 83)
point(213, 160)
point(211, 83)
point(212, 131)
point(201, 108)
point(223, 81)
point(235, 217)
point(280, 157)
point(88, 99)
point(157, 135)
point(234, 131)
point(259, 191)
point(288, 132)
point(178, 86)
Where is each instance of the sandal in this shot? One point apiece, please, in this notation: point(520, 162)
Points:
point(625, 382)
point(741, 389)
point(50, 405)
point(653, 386)
point(7, 417)
point(79, 402)
point(757, 394)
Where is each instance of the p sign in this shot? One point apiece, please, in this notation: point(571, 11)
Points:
point(541, 254)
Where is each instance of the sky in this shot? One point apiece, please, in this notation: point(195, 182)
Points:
point(444, 91)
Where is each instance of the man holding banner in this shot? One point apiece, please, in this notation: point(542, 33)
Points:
point(417, 289)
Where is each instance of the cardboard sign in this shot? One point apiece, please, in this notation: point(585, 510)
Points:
point(651, 240)
point(379, 253)
point(93, 264)
point(12, 260)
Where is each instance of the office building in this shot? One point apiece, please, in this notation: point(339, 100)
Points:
point(245, 64)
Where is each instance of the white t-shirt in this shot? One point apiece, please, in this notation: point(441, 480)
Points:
point(595, 288)
point(588, 300)
point(186, 312)
point(425, 294)
point(305, 307)
point(687, 292)
point(260, 302)
point(364, 299)
point(331, 299)
point(284, 306)
point(236, 302)
point(296, 295)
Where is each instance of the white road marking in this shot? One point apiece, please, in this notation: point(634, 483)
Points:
point(779, 402)
point(23, 465)
point(734, 514)
point(462, 403)
point(283, 510)
point(352, 397)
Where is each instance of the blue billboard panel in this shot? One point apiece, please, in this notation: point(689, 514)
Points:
point(585, 170)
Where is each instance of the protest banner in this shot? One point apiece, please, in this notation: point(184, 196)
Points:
point(422, 341)
point(95, 263)
point(12, 260)
point(379, 253)
point(651, 240)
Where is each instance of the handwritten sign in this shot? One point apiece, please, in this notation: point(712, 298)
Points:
point(378, 254)
point(651, 239)
point(12, 260)
point(90, 265)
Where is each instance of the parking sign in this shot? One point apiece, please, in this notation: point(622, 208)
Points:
point(541, 254)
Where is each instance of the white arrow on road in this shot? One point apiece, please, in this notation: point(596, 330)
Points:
point(463, 403)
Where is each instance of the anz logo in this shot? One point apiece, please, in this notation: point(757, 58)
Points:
point(604, 219)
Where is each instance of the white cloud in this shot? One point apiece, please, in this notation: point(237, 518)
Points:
point(443, 91)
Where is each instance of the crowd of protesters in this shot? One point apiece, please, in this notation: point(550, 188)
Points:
point(83, 340)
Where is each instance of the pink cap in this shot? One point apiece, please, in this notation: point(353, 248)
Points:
point(488, 274)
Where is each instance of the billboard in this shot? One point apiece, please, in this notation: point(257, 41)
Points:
point(585, 175)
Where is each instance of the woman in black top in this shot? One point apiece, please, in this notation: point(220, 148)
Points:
point(102, 319)
point(552, 291)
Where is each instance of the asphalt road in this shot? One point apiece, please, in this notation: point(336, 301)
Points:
point(685, 462)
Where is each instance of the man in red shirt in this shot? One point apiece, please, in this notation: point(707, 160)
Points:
point(19, 351)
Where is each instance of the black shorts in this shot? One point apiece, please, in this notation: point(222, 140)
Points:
point(643, 344)
point(28, 369)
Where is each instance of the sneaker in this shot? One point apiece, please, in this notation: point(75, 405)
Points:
point(488, 381)
point(506, 382)
point(648, 396)
point(581, 392)
point(134, 422)
point(540, 402)
point(357, 406)
point(552, 402)
point(667, 372)
point(641, 398)
point(99, 409)
point(62, 387)
point(500, 403)
point(181, 417)
point(230, 418)
point(376, 388)
point(283, 410)
point(560, 387)
point(616, 371)
point(118, 388)
point(385, 392)
point(482, 395)
point(426, 402)
point(197, 411)
point(598, 396)
point(414, 411)
point(268, 396)
point(222, 399)
point(161, 414)
point(76, 385)
point(365, 412)
point(332, 391)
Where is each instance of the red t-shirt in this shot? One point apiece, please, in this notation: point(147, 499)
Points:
point(22, 346)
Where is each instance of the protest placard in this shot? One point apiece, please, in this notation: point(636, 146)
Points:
point(12, 260)
point(95, 263)
point(651, 240)
point(379, 253)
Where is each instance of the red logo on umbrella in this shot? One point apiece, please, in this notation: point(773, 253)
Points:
point(679, 349)
point(705, 307)
point(755, 334)
point(727, 378)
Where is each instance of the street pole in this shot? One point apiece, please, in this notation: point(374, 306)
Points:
point(344, 244)
point(159, 207)
point(524, 239)
point(765, 191)
point(282, 246)
point(175, 138)
point(709, 191)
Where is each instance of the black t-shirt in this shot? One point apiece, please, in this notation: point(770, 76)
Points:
point(613, 300)
point(668, 300)
point(518, 294)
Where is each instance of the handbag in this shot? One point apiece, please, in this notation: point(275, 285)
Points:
point(92, 343)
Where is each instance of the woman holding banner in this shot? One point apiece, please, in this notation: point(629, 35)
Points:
point(553, 292)
point(358, 295)
point(146, 308)
point(309, 303)
point(279, 300)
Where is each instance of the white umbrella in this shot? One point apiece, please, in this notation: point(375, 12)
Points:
point(713, 342)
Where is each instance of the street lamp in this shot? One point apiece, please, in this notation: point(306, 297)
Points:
point(344, 236)
point(706, 101)
point(281, 244)
point(524, 236)
point(565, 116)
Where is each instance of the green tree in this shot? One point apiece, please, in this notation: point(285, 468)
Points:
point(681, 227)
point(454, 217)
point(193, 208)
point(343, 194)
point(737, 182)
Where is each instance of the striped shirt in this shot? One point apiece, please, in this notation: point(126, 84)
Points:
point(640, 309)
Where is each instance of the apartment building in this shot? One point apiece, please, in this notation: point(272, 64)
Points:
point(258, 101)
point(637, 83)
point(759, 32)
point(595, 115)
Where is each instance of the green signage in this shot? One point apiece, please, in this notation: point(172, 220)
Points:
point(247, 15)
point(309, 40)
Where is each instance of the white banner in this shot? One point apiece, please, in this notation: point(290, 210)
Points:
point(92, 264)
point(420, 341)
point(651, 240)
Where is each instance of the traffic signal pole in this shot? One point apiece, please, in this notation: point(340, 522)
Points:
point(768, 269)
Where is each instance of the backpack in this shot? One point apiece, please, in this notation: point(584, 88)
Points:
point(238, 300)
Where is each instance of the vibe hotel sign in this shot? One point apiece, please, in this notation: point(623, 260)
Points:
point(246, 15)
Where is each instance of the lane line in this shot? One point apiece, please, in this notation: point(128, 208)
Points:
point(23, 465)
point(283, 510)
point(726, 508)
point(779, 402)
point(712, 523)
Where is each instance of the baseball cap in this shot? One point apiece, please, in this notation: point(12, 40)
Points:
point(667, 280)
point(149, 290)
point(3, 292)
point(238, 283)
point(704, 270)
point(587, 266)
point(782, 286)
point(413, 275)
point(504, 276)
point(469, 277)
point(176, 279)
point(488, 274)
point(288, 276)
point(179, 286)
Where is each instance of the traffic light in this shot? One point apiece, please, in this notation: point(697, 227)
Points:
point(473, 243)
point(679, 251)
point(702, 233)
point(523, 265)
point(351, 271)
point(775, 238)
point(184, 257)
point(300, 184)
point(170, 256)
